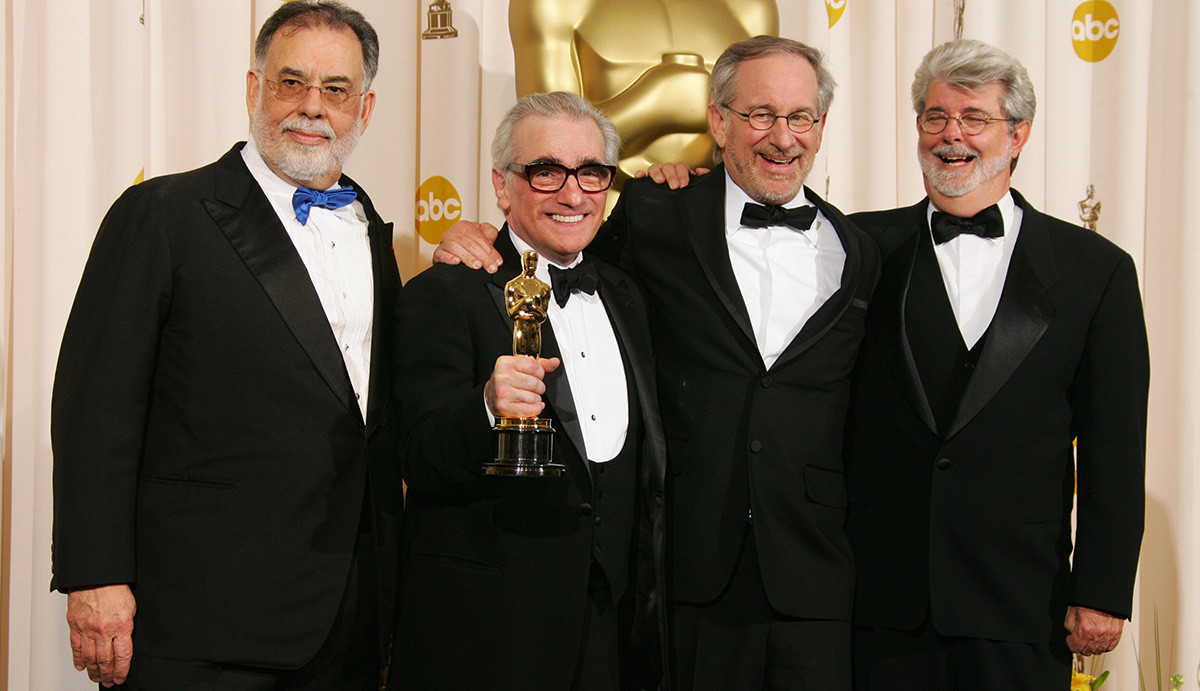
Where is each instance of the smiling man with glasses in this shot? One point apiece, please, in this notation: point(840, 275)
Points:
point(546, 582)
point(998, 335)
point(227, 499)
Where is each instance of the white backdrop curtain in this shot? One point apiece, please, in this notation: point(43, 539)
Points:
point(98, 94)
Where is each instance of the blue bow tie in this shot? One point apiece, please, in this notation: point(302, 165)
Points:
point(304, 199)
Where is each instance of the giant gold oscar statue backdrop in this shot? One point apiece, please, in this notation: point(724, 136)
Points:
point(645, 63)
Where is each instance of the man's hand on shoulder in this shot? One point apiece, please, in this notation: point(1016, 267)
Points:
point(469, 243)
point(1092, 631)
point(676, 175)
point(101, 623)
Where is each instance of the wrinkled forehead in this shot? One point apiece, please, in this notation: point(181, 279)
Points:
point(782, 82)
point(562, 139)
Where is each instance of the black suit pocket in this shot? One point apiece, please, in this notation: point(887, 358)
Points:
point(825, 486)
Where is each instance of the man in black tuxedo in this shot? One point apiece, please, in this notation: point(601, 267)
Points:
point(224, 460)
point(542, 582)
point(758, 293)
point(997, 336)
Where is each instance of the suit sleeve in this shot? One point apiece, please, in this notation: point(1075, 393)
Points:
point(1109, 400)
point(445, 432)
point(103, 388)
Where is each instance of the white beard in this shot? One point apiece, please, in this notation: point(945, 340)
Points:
point(300, 162)
point(954, 183)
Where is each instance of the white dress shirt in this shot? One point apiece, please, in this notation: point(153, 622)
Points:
point(337, 253)
point(973, 269)
point(592, 359)
point(785, 275)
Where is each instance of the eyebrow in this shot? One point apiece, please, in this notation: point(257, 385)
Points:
point(801, 109)
point(970, 109)
point(551, 159)
point(301, 74)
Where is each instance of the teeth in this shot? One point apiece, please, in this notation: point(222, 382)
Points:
point(567, 219)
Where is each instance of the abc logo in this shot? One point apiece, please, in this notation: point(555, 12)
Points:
point(835, 8)
point(1094, 30)
point(438, 208)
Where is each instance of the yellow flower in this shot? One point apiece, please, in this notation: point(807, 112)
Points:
point(1081, 681)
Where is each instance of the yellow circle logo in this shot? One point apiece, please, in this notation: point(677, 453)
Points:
point(1094, 30)
point(438, 208)
point(835, 8)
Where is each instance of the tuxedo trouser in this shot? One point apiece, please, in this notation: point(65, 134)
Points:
point(348, 660)
point(924, 660)
point(599, 666)
point(738, 641)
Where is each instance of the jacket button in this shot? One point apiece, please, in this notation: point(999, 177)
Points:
point(756, 446)
point(943, 464)
point(766, 382)
point(585, 509)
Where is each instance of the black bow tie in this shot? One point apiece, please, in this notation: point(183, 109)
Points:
point(986, 224)
point(581, 277)
point(759, 216)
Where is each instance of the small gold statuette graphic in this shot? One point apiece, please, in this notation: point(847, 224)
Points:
point(525, 446)
point(440, 18)
point(1089, 209)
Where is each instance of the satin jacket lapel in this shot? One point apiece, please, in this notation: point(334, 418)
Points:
point(379, 236)
point(890, 300)
point(703, 207)
point(558, 389)
point(618, 302)
point(252, 227)
point(833, 309)
point(1023, 315)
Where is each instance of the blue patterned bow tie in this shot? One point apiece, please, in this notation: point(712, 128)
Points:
point(304, 199)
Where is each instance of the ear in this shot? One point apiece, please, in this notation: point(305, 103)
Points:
point(717, 124)
point(1020, 135)
point(819, 131)
point(368, 107)
point(253, 91)
point(501, 186)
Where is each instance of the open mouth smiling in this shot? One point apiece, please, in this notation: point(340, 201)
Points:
point(779, 162)
point(955, 156)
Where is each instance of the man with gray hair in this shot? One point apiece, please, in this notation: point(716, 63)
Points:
point(758, 291)
point(997, 336)
point(533, 582)
point(226, 495)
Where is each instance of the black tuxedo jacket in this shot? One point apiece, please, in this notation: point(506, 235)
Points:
point(208, 448)
point(497, 569)
point(742, 438)
point(975, 522)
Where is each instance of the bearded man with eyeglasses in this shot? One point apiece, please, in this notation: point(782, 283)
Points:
point(997, 336)
point(532, 582)
point(226, 490)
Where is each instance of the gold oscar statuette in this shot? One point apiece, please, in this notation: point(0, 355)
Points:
point(525, 446)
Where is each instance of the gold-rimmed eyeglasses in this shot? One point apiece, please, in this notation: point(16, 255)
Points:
point(291, 90)
point(936, 122)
